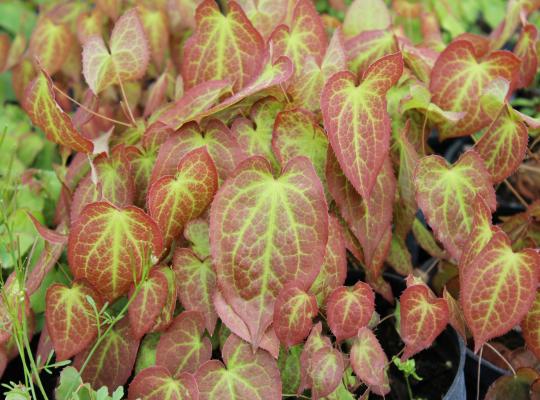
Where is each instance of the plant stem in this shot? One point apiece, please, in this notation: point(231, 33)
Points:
point(515, 193)
point(114, 121)
point(478, 373)
point(409, 390)
point(124, 97)
point(502, 357)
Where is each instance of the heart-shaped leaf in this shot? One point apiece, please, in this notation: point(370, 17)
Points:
point(112, 363)
point(517, 387)
point(40, 104)
point(279, 224)
point(174, 200)
point(327, 366)
point(446, 195)
point(156, 383)
point(71, 319)
point(493, 306)
point(369, 362)
point(356, 120)
point(458, 78)
point(294, 310)
point(334, 268)
point(50, 44)
point(349, 309)
point(315, 342)
point(127, 59)
point(423, 318)
point(109, 247)
point(531, 326)
point(245, 375)
point(196, 283)
point(147, 305)
point(367, 47)
point(223, 47)
point(182, 347)
point(306, 92)
point(305, 37)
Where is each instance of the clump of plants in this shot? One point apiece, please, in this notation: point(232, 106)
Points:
point(245, 191)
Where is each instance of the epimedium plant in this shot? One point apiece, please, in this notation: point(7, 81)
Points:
point(221, 163)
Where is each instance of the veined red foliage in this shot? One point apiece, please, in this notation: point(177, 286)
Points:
point(229, 166)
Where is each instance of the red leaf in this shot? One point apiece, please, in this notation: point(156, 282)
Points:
point(369, 362)
point(47, 260)
point(40, 104)
point(71, 320)
point(156, 383)
point(334, 268)
point(196, 284)
point(266, 232)
point(305, 37)
point(174, 200)
point(446, 195)
point(294, 310)
point(127, 58)
point(458, 79)
point(147, 305)
point(316, 341)
point(51, 236)
point(526, 50)
point(111, 182)
point(327, 366)
point(531, 326)
point(423, 318)
point(245, 375)
point(356, 120)
point(112, 363)
point(110, 246)
point(223, 47)
point(217, 140)
point(50, 44)
point(232, 320)
point(498, 288)
point(349, 309)
point(182, 347)
point(455, 315)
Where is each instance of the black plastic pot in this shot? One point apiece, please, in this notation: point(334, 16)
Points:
point(489, 373)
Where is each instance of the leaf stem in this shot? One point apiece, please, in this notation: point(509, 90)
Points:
point(502, 357)
point(478, 373)
point(114, 121)
point(124, 97)
point(515, 193)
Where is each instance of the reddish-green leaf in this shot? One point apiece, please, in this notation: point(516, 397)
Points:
point(141, 162)
point(334, 268)
point(182, 347)
point(294, 310)
point(526, 50)
point(217, 140)
point(369, 362)
point(315, 342)
point(349, 309)
point(399, 257)
point(305, 37)
point(306, 92)
point(367, 47)
point(154, 22)
point(196, 284)
point(110, 181)
point(254, 134)
point(71, 320)
point(112, 363)
point(458, 79)
point(197, 232)
point(531, 326)
point(503, 145)
point(223, 47)
point(425, 239)
point(232, 321)
point(194, 103)
point(327, 366)
point(147, 305)
point(156, 383)
point(127, 58)
point(40, 104)
point(455, 314)
point(423, 318)
point(356, 120)
point(50, 44)
point(446, 195)
point(265, 232)
point(165, 318)
point(174, 200)
point(245, 374)
point(109, 247)
point(498, 288)
point(295, 134)
point(366, 15)
point(265, 14)
point(516, 387)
